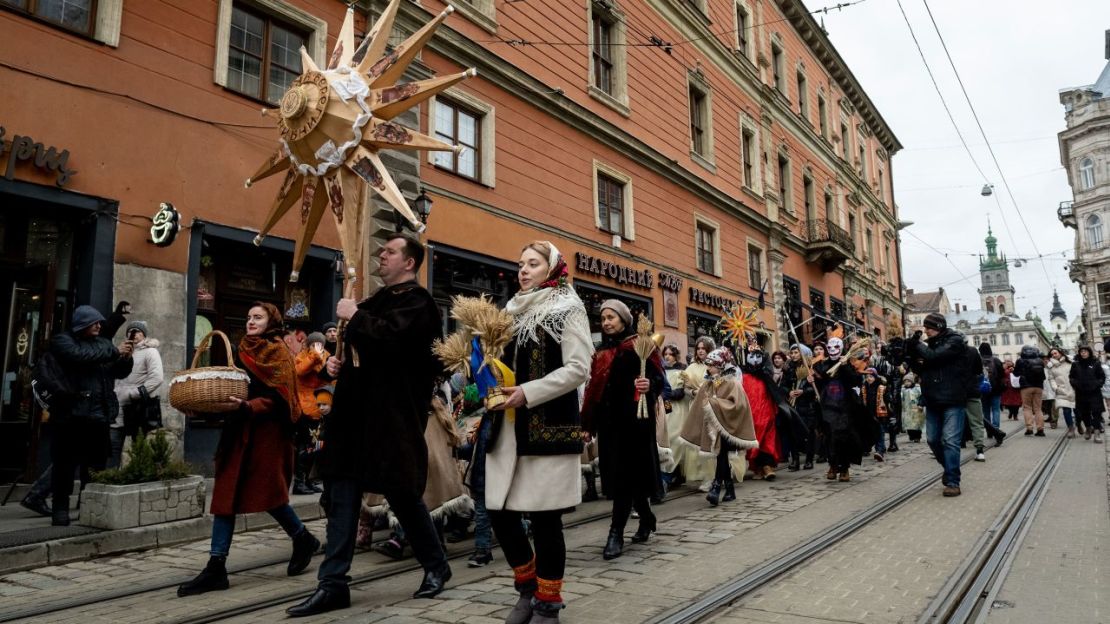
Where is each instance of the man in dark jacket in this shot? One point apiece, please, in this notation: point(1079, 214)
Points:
point(992, 368)
point(939, 362)
point(1030, 372)
point(80, 423)
point(374, 435)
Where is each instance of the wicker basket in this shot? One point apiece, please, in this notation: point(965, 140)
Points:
point(207, 388)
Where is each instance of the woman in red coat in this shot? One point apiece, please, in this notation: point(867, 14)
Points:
point(1011, 394)
point(254, 459)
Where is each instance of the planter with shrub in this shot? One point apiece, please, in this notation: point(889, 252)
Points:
point(150, 489)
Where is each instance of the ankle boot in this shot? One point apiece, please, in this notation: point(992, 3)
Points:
point(809, 463)
point(590, 494)
point(614, 546)
point(730, 491)
point(647, 527)
point(304, 545)
point(521, 612)
point(212, 578)
point(60, 516)
point(544, 612)
point(714, 495)
point(795, 463)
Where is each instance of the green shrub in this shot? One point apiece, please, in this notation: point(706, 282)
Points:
point(149, 460)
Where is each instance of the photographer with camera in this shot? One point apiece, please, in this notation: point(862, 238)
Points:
point(140, 407)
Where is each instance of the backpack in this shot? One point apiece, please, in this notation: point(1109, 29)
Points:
point(49, 382)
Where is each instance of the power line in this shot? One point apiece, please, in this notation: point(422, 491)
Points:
point(983, 132)
point(965, 277)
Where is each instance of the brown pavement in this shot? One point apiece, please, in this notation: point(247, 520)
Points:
point(1061, 571)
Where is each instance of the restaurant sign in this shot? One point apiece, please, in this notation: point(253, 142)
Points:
point(709, 299)
point(25, 149)
point(617, 272)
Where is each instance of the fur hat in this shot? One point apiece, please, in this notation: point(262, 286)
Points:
point(935, 321)
point(324, 394)
point(620, 308)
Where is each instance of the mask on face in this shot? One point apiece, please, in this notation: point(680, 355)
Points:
point(834, 348)
point(755, 359)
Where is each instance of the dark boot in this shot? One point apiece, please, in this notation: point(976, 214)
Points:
point(304, 545)
point(36, 504)
point(212, 578)
point(434, 582)
point(795, 463)
point(545, 612)
point(321, 601)
point(590, 494)
point(809, 463)
point(647, 527)
point(614, 546)
point(300, 488)
point(521, 612)
point(61, 511)
point(714, 495)
point(730, 491)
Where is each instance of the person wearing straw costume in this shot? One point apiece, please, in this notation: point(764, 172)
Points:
point(535, 440)
point(627, 449)
point(254, 458)
point(685, 381)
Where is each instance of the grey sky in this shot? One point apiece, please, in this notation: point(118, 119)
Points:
point(1014, 57)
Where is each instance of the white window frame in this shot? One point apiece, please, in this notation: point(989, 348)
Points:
point(801, 84)
point(1103, 310)
point(487, 136)
point(822, 114)
point(1093, 231)
point(700, 219)
point(481, 12)
point(316, 43)
point(618, 100)
point(626, 181)
point(697, 82)
point(1086, 174)
point(846, 139)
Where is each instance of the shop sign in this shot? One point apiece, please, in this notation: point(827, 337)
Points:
point(166, 225)
point(619, 273)
point(24, 148)
point(709, 299)
point(670, 281)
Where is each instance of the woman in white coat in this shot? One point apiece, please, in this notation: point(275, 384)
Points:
point(146, 378)
point(1057, 372)
point(532, 464)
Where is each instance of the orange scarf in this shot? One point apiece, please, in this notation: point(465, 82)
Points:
point(272, 363)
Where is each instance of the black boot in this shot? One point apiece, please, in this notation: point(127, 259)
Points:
point(212, 578)
point(36, 504)
point(795, 463)
point(809, 463)
point(614, 546)
point(590, 494)
point(61, 511)
point(304, 545)
point(647, 527)
point(545, 612)
point(730, 491)
point(321, 601)
point(434, 582)
point(714, 495)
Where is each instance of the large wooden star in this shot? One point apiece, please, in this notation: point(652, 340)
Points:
point(335, 121)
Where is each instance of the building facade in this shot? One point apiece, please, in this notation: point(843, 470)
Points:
point(684, 156)
point(1085, 155)
point(922, 304)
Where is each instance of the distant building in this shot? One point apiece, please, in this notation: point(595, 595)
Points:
point(1085, 154)
point(920, 305)
point(1065, 334)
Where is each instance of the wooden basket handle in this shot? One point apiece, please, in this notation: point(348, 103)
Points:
point(204, 344)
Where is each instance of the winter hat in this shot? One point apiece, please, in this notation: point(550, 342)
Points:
point(620, 308)
point(139, 325)
point(806, 351)
point(85, 316)
point(935, 321)
point(324, 395)
point(871, 371)
point(315, 337)
point(329, 325)
point(719, 357)
point(985, 350)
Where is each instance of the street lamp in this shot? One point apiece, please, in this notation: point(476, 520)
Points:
point(423, 207)
point(988, 190)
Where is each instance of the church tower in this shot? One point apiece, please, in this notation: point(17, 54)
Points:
point(995, 292)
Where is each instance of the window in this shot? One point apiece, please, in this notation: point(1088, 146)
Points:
point(755, 267)
point(870, 247)
point(610, 204)
point(706, 250)
point(742, 25)
point(829, 208)
point(76, 15)
point(882, 188)
point(1005, 339)
point(1086, 174)
point(822, 116)
point(776, 67)
point(845, 147)
point(747, 152)
point(1104, 298)
point(803, 97)
point(1019, 339)
point(862, 161)
point(852, 228)
point(994, 340)
point(886, 259)
point(990, 304)
point(263, 55)
point(697, 121)
point(1093, 231)
point(785, 182)
point(808, 198)
point(458, 125)
point(601, 52)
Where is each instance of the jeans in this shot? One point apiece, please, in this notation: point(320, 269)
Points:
point(992, 409)
point(483, 529)
point(944, 428)
point(1066, 411)
point(342, 501)
point(223, 527)
point(1031, 407)
point(975, 421)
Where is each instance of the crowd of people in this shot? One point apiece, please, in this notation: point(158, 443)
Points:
point(365, 416)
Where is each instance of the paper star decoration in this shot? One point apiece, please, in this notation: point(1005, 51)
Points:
point(739, 324)
point(333, 124)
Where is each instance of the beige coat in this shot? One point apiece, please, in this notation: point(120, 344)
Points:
point(720, 411)
point(1058, 372)
point(694, 467)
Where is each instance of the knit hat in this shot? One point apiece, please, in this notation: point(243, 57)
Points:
point(935, 321)
point(329, 325)
point(620, 308)
point(139, 325)
point(985, 350)
point(324, 394)
point(315, 337)
point(871, 371)
point(85, 316)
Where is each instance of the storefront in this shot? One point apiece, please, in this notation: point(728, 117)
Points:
point(457, 272)
point(590, 271)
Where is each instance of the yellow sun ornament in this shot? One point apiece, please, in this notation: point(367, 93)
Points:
point(333, 124)
point(739, 324)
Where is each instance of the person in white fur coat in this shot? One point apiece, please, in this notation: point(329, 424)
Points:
point(145, 374)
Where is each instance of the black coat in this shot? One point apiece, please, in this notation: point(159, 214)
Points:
point(1087, 378)
point(1030, 368)
point(939, 361)
point(375, 431)
point(849, 431)
point(91, 367)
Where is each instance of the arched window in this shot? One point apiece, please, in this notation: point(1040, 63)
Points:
point(1086, 174)
point(1001, 305)
point(1005, 339)
point(1093, 231)
point(990, 304)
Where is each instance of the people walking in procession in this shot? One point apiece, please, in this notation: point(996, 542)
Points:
point(374, 436)
point(254, 457)
point(995, 374)
point(690, 465)
point(1087, 378)
point(764, 399)
point(1011, 392)
point(802, 393)
point(720, 424)
point(309, 364)
point(850, 432)
point(913, 413)
point(535, 444)
point(873, 395)
point(627, 449)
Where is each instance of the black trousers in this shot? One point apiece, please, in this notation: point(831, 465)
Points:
point(79, 444)
point(623, 505)
point(547, 532)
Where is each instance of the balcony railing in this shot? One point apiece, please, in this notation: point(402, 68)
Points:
point(828, 244)
point(1066, 214)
